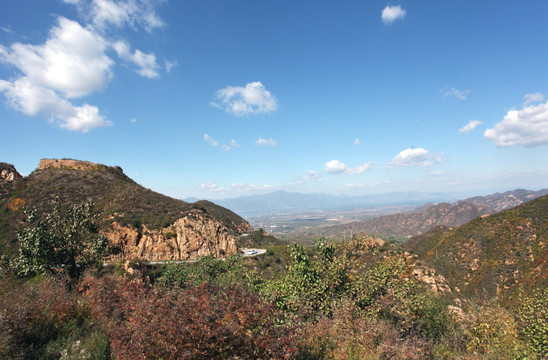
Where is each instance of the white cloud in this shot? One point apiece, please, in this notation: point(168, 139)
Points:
point(133, 120)
point(414, 157)
point(533, 98)
point(249, 100)
point(224, 147)
point(459, 94)
point(357, 141)
point(210, 140)
point(436, 173)
point(103, 13)
point(234, 144)
point(470, 126)
point(335, 167)
point(7, 29)
point(210, 185)
point(526, 127)
point(170, 64)
point(72, 63)
point(392, 13)
point(360, 169)
point(266, 142)
point(310, 175)
point(148, 67)
point(236, 188)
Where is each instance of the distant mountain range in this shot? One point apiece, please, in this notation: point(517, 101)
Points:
point(287, 202)
point(424, 218)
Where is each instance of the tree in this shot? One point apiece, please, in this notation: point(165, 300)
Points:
point(64, 240)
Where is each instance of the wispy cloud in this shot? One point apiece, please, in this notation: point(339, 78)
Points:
point(527, 127)
point(235, 188)
point(357, 141)
point(225, 147)
point(533, 98)
point(392, 13)
point(459, 94)
point(147, 65)
point(470, 126)
point(266, 142)
point(133, 13)
point(208, 139)
point(251, 99)
point(335, 167)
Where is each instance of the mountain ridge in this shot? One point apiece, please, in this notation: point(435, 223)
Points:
point(150, 225)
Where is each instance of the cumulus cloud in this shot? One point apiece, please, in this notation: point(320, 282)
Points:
point(249, 100)
point(392, 13)
point(470, 126)
point(527, 127)
point(148, 67)
point(357, 141)
point(459, 94)
point(266, 142)
point(335, 167)
point(104, 13)
point(414, 157)
point(72, 63)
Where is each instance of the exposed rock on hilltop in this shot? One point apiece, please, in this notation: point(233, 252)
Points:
point(70, 164)
point(8, 172)
point(138, 222)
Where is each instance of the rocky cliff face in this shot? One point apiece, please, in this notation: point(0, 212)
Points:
point(188, 238)
point(8, 172)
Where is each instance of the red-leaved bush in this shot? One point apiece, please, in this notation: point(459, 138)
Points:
point(203, 322)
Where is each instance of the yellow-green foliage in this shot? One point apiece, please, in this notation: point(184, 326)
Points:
point(533, 320)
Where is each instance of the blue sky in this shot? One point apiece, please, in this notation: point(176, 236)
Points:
point(218, 99)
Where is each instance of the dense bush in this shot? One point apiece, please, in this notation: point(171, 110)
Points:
point(202, 322)
point(533, 320)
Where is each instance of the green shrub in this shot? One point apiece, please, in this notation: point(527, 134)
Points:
point(533, 320)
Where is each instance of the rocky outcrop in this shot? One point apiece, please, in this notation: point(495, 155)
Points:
point(70, 164)
point(188, 238)
point(8, 172)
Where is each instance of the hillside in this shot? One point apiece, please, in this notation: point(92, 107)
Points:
point(491, 255)
point(407, 224)
point(130, 209)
